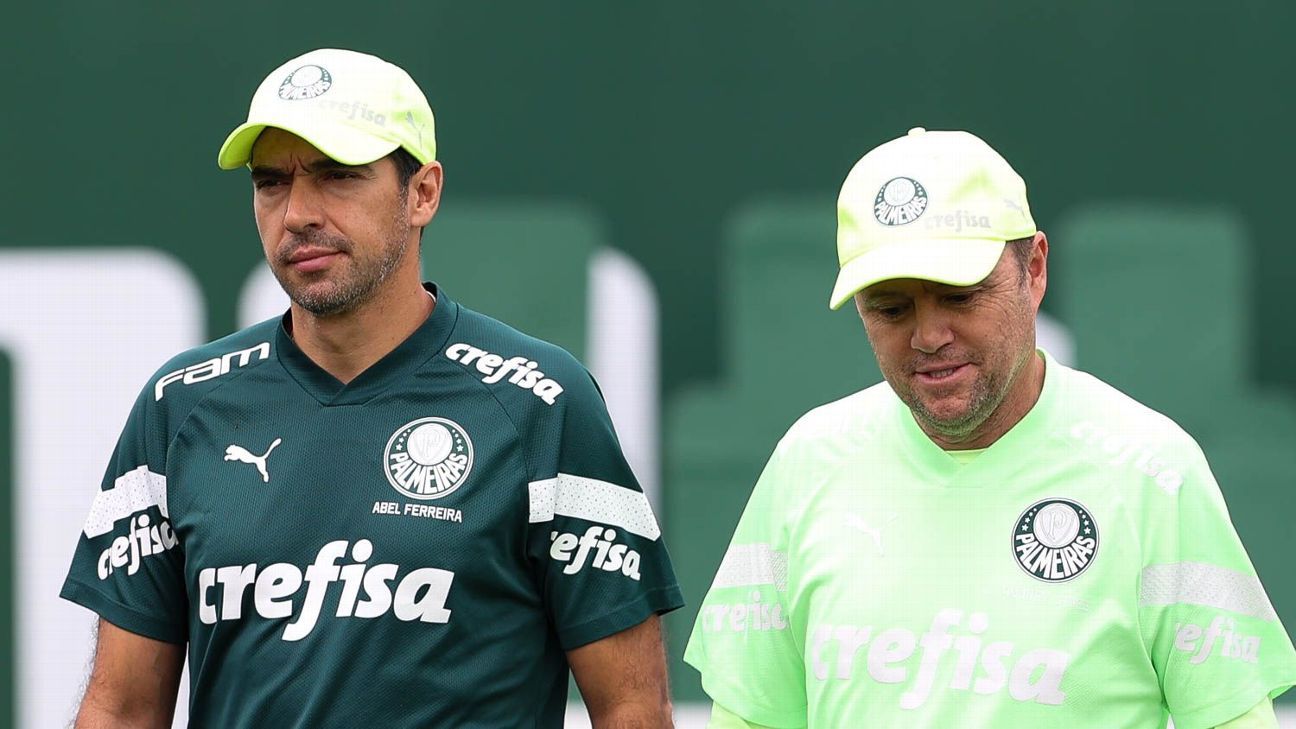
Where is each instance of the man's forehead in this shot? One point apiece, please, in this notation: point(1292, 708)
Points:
point(900, 286)
point(280, 146)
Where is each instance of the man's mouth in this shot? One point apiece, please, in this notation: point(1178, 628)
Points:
point(312, 258)
point(940, 374)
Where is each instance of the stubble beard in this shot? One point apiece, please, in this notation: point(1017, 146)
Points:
point(350, 288)
point(988, 392)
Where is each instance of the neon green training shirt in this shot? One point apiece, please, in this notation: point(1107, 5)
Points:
point(1081, 572)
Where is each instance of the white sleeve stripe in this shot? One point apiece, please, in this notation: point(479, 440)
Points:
point(592, 500)
point(752, 565)
point(1197, 583)
point(132, 492)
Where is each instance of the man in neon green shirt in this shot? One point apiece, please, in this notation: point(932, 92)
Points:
point(989, 538)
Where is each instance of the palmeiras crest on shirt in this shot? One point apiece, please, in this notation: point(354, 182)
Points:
point(900, 201)
point(306, 82)
point(428, 458)
point(1055, 540)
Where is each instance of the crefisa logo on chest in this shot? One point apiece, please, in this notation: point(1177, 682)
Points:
point(428, 458)
point(1055, 540)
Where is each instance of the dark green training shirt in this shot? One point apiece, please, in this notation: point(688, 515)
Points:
point(416, 548)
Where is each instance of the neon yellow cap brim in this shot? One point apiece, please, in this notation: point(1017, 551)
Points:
point(339, 142)
point(960, 262)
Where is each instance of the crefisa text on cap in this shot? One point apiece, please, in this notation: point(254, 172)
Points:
point(958, 220)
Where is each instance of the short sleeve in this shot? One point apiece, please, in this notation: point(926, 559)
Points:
point(593, 537)
point(129, 566)
point(1261, 716)
point(743, 642)
point(1214, 639)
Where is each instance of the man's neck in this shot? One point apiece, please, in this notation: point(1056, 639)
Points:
point(1020, 398)
point(347, 344)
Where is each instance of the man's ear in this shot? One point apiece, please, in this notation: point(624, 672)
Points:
point(1037, 267)
point(424, 194)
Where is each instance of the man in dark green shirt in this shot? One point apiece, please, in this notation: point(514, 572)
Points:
point(382, 508)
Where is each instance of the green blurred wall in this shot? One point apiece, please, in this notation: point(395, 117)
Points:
point(663, 116)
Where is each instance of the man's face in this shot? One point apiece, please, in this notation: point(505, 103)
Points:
point(332, 233)
point(954, 354)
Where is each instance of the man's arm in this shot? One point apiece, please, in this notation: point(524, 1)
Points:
point(623, 678)
point(133, 683)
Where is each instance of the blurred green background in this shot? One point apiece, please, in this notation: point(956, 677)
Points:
point(708, 140)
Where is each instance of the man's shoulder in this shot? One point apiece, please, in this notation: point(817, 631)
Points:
point(191, 373)
point(518, 368)
point(1104, 426)
point(1092, 404)
point(475, 327)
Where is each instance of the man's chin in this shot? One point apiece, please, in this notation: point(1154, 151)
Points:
point(947, 417)
point(953, 406)
point(321, 300)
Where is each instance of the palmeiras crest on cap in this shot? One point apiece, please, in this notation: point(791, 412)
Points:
point(428, 458)
point(1055, 540)
point(900, 201)
point(307, 82)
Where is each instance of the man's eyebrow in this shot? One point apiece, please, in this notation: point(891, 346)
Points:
point(325, 163)
point(268, 171)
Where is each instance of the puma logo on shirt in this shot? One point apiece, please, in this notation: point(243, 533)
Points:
point(243, 455)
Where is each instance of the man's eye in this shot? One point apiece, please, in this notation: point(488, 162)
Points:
point(341, 175)
point(889, 312)
point(265, 183)
point(959, 298)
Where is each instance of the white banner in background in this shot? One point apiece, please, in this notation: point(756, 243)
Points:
point(84, 329)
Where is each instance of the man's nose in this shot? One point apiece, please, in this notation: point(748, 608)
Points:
point(931, 329)
point(303, 209)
